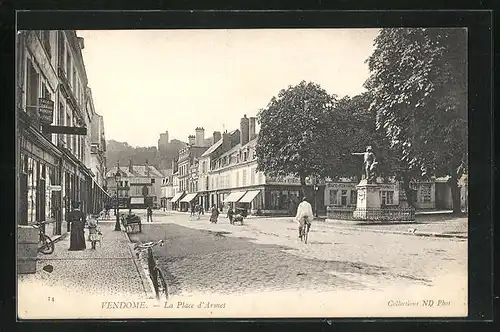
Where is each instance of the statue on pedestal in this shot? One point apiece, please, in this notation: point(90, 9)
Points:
point(370, 165)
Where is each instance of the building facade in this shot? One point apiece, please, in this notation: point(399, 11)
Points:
point(54, 169)
point(140, 184)
point(188, 168)
point(228, 176)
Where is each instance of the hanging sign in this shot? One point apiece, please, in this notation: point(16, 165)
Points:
point(54, 188)
point(46, 110)
point(65, 130)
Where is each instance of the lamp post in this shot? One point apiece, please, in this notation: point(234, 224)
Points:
point(118, 177)
point(316, 188)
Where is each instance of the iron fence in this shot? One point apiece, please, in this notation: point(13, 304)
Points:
point(372, 214)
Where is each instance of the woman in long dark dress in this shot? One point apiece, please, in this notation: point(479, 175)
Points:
point(77, 220)
point(215, 214)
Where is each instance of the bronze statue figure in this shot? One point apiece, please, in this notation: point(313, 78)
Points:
point(370, 164)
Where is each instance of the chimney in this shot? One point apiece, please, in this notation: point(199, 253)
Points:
point(226, 141)
point(217, 136)
point(200, 136)
point(251, 128)
point(130, 167)
point(244, 124)
point(191, 139)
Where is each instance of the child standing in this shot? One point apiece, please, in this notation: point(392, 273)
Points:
point(94, 233)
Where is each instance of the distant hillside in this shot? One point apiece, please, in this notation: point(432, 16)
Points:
point(121, 151)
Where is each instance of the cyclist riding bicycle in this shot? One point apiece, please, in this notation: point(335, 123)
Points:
point(304, 215)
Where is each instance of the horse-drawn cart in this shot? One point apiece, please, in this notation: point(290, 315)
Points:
point(130, 222)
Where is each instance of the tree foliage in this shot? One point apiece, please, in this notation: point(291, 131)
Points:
point(293, 130)
point(307, 132)
point(355, 129)
point(418, 86)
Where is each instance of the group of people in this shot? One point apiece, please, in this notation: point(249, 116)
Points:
point(78, 221)
point(197, 210)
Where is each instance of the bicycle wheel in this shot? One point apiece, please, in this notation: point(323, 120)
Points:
point(162, 284)
point(47, 245)
point(306, 233)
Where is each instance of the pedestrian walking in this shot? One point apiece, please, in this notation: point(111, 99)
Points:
point(230, 214)
point(76, 220)
point(149, 214)
point(214, 215)
point(198, 210)
point(94, 232)
point(192, 210)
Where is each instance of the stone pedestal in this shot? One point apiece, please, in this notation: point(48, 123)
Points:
point(368, 203)
point(27, 249)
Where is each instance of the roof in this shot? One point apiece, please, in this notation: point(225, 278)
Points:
point(212, 148)
point(231, 150)
point(137, 171)
point(251, 142)
point(166, 172)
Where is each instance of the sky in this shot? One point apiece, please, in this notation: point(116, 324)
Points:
point(145, 82)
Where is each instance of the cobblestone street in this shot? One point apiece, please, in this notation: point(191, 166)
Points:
point(265, 254)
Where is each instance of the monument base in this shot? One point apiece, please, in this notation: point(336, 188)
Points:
point(369, 207)
point(368, 203)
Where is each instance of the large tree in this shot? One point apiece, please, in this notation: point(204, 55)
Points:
point(418, 86)
point(355, 129)
point(294, 130)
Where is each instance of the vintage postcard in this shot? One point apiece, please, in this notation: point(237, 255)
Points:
point(242, 173)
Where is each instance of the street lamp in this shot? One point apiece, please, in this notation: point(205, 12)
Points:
point(316, 188)
point(118, 177)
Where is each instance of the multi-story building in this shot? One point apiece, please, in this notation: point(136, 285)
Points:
point(178, 194)
point(188, 167)
point(141, 184)
point(228, 176)
point(54, 169)
point(166, 188)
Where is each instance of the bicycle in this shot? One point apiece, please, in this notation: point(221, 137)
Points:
point(45, 242)
point(304, 231)
point(155, 273)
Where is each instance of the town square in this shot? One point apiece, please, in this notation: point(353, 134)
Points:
point(242, 173)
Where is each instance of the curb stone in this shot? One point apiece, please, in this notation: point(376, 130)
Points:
point(146, 280)
point(426, 234)
point(142, 268)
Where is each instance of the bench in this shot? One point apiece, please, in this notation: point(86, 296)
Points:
point(130, 221)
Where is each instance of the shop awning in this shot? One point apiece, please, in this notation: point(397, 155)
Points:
point(234, 197)
point(249, 196)
point(176, 197)
point(188, 198)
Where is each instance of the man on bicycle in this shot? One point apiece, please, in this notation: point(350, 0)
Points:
point(304, 215)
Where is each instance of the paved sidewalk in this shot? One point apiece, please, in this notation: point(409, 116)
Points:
point(110, 270)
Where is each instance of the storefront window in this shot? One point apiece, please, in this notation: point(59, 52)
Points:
point(425, 193)
point(281, 200)
point(333, 197)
